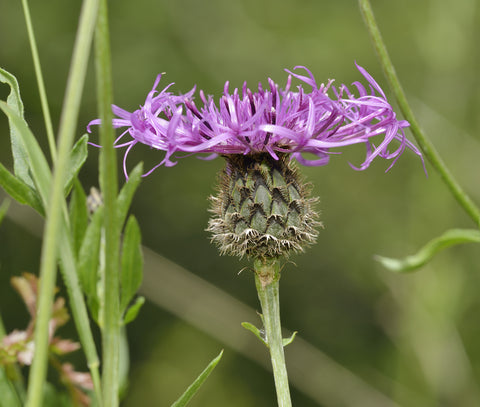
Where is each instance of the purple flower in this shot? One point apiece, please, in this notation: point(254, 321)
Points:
point(270, 121)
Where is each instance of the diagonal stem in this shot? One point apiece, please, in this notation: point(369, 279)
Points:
point(267, 276)
point(423, 141)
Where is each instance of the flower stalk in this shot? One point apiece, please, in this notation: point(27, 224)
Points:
point(110, 318)
point(267, 276)
point(423, 141)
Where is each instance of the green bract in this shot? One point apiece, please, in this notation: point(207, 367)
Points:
point(263, 209)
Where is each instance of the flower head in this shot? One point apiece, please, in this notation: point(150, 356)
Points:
point(271, 120)
point(263, 209)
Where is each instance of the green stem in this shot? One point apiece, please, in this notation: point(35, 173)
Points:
point(79, 311)
point(267, 276)
point(425, 144)
point(41, 85)
point(55, 203)
point(110, 314)
point(77, 301)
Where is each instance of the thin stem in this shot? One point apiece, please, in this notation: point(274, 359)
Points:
point(41, 85)
point(79, 311)
point(55, 204)
point(267, 276)
point(110, 314)
point(425, 144)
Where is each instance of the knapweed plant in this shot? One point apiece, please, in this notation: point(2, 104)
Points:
point(263, 210)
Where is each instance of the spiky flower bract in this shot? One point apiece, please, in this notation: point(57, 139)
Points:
point(260, 133)
point(262, 209)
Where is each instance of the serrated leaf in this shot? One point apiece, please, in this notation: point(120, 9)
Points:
point(78, 215)
point(126, 194)
point(288, 341)
point(20, 156)
point(411, 263)
point(20, 191)
point(88, 258)
point(132, 263)
point(190, 392)
point(252, 328)
point(77, 158)
point(133, 310)
point(36, 160)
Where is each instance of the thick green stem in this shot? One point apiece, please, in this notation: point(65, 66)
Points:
point(267, 276)
point(55, 203)
point(110, 312)
point(425, 144)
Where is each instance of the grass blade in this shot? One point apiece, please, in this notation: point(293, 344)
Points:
point(414, 262)
point(193, 388)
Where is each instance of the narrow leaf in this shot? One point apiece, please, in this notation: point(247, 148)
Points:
point(9, 396)
point(190, 392)
point(288, 341)
point(126, 194)
point(36, 159)
point(133, 310)
point(411, 263)
point(4, 209)
point(20, 191)
point(88, 257)
point(132, 263)
point(78, 215)
point(78, 155)
point(20, 156)
point(252, 328)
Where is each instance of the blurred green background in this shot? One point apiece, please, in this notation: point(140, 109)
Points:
point(413, 339)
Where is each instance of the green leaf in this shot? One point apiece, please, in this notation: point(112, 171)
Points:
point(4, 209)
point(190, 392)
point(411, 263)
point(55, 398)
point(132, 263)
point(133, 310)
point(20, 191)
point(252, 328)
point(20, 156)
point(78, 155)
point(9, 397)
point(78, 215)
point(288, 341)
point(126, 194)
point(88, 258)
point(123, 364)
point(35, 158)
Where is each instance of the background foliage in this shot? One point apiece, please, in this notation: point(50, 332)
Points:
point(413, 337)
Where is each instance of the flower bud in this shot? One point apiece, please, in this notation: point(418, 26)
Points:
point(263, 209)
